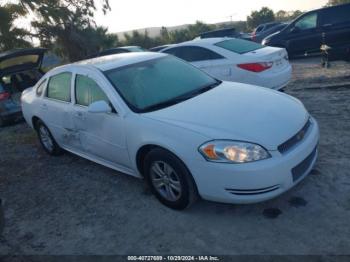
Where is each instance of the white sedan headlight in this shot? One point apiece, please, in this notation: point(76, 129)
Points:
point(227, 151)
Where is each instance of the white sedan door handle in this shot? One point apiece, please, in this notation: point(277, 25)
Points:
point(79, 115)
point(43, 106)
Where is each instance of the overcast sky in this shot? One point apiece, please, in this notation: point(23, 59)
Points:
point(128, 15)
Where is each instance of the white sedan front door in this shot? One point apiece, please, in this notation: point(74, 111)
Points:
point(100, 135)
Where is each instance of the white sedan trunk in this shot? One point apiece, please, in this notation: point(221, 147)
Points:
point(275, 77)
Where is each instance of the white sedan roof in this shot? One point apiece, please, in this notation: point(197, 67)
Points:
point(212, 40)
point(118, 60)
point(204, 41)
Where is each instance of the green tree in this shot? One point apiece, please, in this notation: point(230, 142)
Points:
point(82, 42)
point(337, 2)
point(295, 14)
point(281, 15)
point(10, 35)
point(68, 26)
point(178, 36)
point(285, 16)
point(164, 35)
point(190, 32)
point(139, 39)
point(264, 15)
point(198, 28)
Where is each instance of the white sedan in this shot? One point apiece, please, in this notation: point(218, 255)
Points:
point(237, 60)
point(153, 116)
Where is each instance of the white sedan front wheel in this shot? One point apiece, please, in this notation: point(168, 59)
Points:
point(169, 179)
point(166, 181)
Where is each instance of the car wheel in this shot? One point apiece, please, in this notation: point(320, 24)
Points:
point(169, 179)
point(46, 139)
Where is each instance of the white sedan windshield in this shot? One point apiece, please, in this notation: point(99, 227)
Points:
point(158, 83)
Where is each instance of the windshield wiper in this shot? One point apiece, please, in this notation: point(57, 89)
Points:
point(198, 91)
point(208, 87)
point(159, 106)
point(183, 97)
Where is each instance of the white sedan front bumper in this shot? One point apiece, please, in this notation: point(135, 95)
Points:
point(257, 181)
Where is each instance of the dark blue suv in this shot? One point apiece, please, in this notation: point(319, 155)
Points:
point(305, 35)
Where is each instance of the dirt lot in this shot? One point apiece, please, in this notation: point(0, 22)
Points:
point(68, 205)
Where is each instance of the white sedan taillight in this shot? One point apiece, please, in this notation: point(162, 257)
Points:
point(256, 67)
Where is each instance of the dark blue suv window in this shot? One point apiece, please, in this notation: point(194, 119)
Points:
point(336, 15)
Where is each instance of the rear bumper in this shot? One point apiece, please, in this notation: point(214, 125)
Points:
point(276, 80)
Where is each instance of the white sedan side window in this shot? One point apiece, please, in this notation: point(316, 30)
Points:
point(59, 87)
point(87, 91)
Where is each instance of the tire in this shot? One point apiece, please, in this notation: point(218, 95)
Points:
point(46, 139)
point(2, 122)
point(176, 188)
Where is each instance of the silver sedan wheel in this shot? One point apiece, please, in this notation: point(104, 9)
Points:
point(46, 138)
point(165, 180)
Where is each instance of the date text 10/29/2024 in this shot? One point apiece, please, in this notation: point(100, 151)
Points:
point(173, 258)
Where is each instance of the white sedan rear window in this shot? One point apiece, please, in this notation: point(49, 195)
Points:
point(239, 46)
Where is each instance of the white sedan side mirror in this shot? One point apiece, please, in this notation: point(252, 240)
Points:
point(99, 107)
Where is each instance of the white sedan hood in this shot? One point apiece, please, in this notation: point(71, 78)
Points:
point(239, 112)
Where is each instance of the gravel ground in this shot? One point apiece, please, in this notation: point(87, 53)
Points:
point(69, 205)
